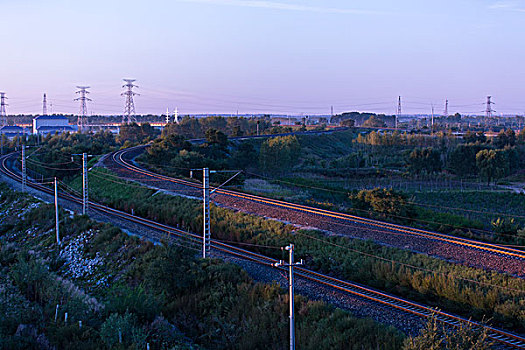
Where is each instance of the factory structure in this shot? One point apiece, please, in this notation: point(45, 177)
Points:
point(51, 124)
point(41, 125)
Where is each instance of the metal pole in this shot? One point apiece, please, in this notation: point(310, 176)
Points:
point(56, 212)
point(290, 265)
point(24, 176)
point(85, 197)
point(292, 321)
point(206, 213)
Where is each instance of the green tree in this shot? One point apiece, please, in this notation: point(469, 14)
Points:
point(347, 122)
point(136, 133)
point(277, 153)
point(424, 160)
point(385, 202)
point(491, 164)
point(521, 137)
point(214, 136)
point(374, 122)
point(462, 159)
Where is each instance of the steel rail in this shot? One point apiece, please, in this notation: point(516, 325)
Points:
point(492, 248)
point(502, 337)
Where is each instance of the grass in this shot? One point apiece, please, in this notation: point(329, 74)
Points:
point(445, 285)
point(156, 294)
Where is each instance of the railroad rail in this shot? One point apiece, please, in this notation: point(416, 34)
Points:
point(503, 339)
point(118, 157)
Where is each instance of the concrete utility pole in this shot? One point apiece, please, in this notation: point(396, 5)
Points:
point(24, 174)
point(290, 266)
point(56, 213)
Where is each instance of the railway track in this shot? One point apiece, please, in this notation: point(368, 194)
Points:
point(501, 338)
point(119, 158)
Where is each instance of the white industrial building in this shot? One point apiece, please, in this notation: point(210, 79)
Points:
point(12, 131)
point(50, 124)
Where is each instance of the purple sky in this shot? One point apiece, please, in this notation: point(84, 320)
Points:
point(251, 56)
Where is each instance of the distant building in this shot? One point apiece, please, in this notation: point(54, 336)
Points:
point(50, 124)
point(12, 131)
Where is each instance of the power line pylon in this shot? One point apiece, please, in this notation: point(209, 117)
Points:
point(489, 110)
point(432, 122)
point(167, 115)
point(44, 105)
point(129, 109)
point(3, 113)
point(82, 118)
point(445, 112)
point(398, 115)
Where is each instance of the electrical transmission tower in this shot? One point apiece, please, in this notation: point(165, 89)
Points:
point(44, 105)
point(167, 115)
point(82, 118)
point(129, 109)
point(488, 110)
point(398, 111)
point(3, 113)
point(445, 112)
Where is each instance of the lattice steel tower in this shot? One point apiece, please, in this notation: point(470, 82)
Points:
point(82, 117)
point(445, 112)
point(44, 105)
point(489, 110)
point(398, 110)
point(3, 113)
point(129, 109)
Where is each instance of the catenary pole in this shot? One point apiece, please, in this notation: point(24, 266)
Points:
point(56, 213)
point(24, 174)
point(206, 213)
point(291, 264)
point(85, 194)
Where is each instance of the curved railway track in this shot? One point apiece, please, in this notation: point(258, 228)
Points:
point(119, 158)
point(502, 339)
